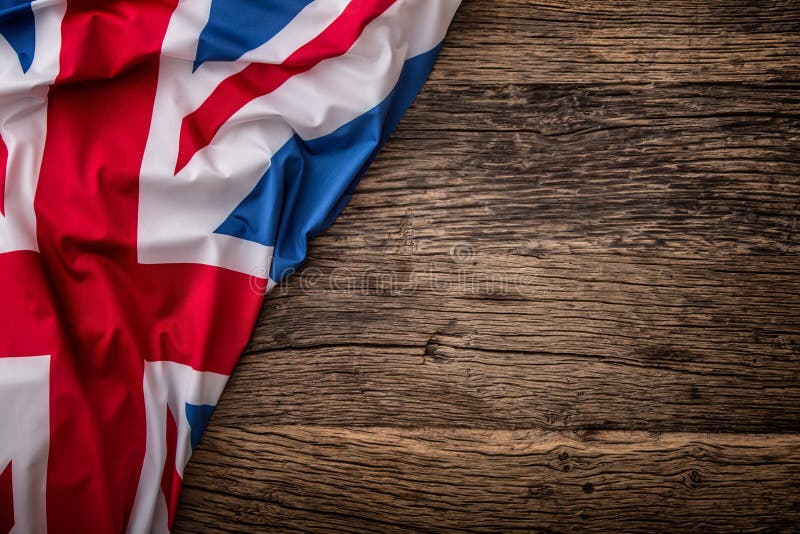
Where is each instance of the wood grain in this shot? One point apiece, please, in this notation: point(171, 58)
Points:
point(596, 41)
point(565, 298)
point(388, 479)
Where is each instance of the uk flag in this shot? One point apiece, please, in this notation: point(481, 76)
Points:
point(155, 157)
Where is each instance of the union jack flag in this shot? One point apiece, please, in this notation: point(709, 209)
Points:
point(155, 157)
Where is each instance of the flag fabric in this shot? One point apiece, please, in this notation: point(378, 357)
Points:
point(161, 163)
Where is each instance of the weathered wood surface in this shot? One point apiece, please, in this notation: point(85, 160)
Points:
point(565, 298)
point(379, 479)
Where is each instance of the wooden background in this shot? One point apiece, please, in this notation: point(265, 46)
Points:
point(565, 298)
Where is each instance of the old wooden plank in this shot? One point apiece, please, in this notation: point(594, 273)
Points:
point(653, 169)
point(601, 42)
point(333, 479)
point(561, 341)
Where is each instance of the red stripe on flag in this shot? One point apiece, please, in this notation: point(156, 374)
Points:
point(28, 323)
point(6, 501)
point(3, 171)
point(86, 208)
point(110, 313)
point(258, 79)
point(91, 46)
point(170, 479)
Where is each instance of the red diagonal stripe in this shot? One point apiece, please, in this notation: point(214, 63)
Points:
point(170, 479)
point(3, 165)
point(258, 79)
point(6, 501)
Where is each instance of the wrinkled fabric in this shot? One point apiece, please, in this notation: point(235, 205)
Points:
point(162, 163)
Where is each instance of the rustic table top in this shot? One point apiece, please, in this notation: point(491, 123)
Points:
point(566, 297)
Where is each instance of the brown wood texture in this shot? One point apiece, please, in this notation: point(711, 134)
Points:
point(565, 298)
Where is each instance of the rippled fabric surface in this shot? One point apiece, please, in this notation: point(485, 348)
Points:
point(162, 163)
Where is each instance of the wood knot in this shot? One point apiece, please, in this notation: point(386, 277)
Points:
point(432, 350)
point(693, 479)
point(563, 462)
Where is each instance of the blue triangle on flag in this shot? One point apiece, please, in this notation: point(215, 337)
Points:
point(18, 26)
point(238, 26)
point(198, 416)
